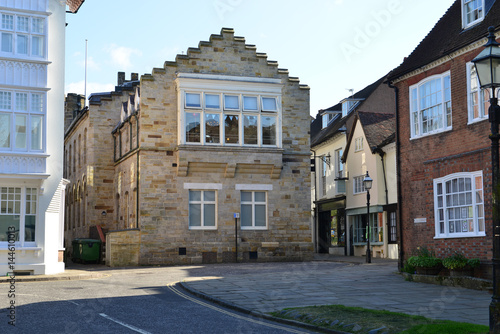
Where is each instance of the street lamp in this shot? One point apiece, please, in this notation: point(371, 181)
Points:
point(487, 65)
point(367, 182)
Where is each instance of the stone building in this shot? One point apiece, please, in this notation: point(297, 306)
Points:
point(165, 162)
point(31, 127)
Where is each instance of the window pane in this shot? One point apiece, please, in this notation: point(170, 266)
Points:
point(250, 103)
point(7, 221)
point(7, 22)
point(22, 23)
point(209, 196)
point(209, 215)
point(231, 129)
point(246, 215)
point(37, 25)
point(260, 196)
point(269, 104)
point(36, 132)
point(260, 215)
point(194, 195)
point(212, 101)
point(22, 44)
point(37, 46)
point(20, 139)
point(193, 100)
point(212, 128)
point(231, 102)
point(194, 214)
point(246, 196)
point(250, 129)
point(6, 42)
point(22, 101)
point(192, 127)
point(29, 228)
point(36, 103)
point(268, 130)
point(4, 130)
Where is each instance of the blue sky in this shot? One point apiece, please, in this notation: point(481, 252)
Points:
point(331, 45)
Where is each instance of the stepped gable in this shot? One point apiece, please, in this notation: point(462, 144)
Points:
point(225, 42)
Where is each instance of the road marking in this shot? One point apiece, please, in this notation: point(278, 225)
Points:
point(172, 288)
point(124, 324)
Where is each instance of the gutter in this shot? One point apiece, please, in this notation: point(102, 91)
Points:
point(398, 177)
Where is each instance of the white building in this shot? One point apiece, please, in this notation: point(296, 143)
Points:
point(32, 44)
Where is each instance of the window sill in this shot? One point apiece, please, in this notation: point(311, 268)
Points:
point(201, 228)
point(431, 133)
point(477, 120)
point(4, 247)
point(254, 228)
point(482, 235)
point(371, 243)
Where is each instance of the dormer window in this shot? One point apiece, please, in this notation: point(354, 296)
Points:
point(472, 12)
point(326, 119)
point(348, 106)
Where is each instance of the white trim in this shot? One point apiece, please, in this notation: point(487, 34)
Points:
point(257, 187)
point(474, 204)
point(203, 186)
point(466, 25)
point(202, 204)
point(227, 78)
point(470, 111)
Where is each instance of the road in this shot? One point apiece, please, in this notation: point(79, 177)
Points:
point(127, 301)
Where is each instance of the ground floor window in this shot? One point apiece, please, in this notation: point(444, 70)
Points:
point(202, 209)
point(253, 210)
point(459, 205)
point(18, 208)
point(338, 228)
point(361, 233)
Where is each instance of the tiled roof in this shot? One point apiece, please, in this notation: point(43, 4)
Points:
point(319, 135)
point(448, 36)
point(74, 5)
point(379, 128)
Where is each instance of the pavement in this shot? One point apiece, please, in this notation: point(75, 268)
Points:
point(265, 287)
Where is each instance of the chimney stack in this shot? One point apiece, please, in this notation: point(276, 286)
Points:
point(121, 78)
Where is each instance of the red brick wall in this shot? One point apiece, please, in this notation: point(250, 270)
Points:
point(464, 149)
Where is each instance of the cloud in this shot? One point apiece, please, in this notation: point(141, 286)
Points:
point(92, 87)
point(121, 56)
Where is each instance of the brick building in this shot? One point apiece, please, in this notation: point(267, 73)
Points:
point(164, 162)
point(444, 149)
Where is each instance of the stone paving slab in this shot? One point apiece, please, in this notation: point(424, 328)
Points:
point(376, 286)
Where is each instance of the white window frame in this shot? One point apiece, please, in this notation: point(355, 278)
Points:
point(29, 34)
point(482, 96)
point(358, 144)
point(441, 207)
point(358, 187)
point(416, 110)
point(258, 88)
point(31, 113)
point(22, 213)
point(465, 23)
point(253, 203)
point(202, 202)
point(374, 229)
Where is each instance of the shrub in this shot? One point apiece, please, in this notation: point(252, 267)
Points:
point(459, 261)
point(424, 258)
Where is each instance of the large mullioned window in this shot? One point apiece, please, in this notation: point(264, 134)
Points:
point(459, 205)
point(22, 35)
point(22, 121)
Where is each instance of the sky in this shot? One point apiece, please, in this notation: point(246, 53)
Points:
point(330, 45)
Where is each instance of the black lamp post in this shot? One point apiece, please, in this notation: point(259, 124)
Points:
point(487, 65)
point(367, 182)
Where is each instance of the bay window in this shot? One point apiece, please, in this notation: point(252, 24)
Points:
point(430, 106)
point(459, 205)
point(229, 111)
point(22, 35)
point(22, 121)
point(18, 209)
